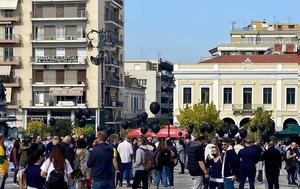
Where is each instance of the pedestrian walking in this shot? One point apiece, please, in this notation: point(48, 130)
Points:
point(291, 163)
point(23, 153)
point(196, 164)
point(32, 173)
point(174, 158)
point(230, 166)
point(180, 150)
point(126, 152)
point(81, 171)
point(272, 158)
point(249, 157)
point(141, 175)
point(14, 158)
point(101, 168)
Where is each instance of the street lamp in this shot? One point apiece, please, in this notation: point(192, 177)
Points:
point(103, 46)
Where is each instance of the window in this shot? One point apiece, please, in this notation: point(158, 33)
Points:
point(227, 96)
point(8, 32)
point(8, 53)
point(290, 95)
point(143, 81)
point(267, 95)
point(205, 95)
point(187, 95)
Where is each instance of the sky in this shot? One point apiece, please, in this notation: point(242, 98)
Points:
point(182, 31)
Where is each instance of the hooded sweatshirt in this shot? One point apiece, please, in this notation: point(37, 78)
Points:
point(100, 162)
point(140, 157)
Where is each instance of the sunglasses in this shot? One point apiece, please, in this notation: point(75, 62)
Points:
point(224, 144)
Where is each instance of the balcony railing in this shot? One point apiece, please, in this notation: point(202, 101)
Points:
point(9, 81)
point(112, 61)
point(58, 59)
point(12, 61)
point(109, 16)
point(51, 81)
point(10, 17)
point(70, 37)
point(120, 2)
point(113, 104)
point(80, 15)
point(113, 82)
point(10, 38)
point(246, 107)
point(114, 39)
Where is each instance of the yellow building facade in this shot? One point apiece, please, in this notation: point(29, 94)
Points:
point(237, 85)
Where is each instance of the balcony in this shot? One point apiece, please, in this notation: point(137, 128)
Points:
point(113, 62)
point(81, 15)
point(114, 83)
point(113, 38)
point(10, 82)
point(112, 18)
point(51, 82)
point(113, 104)
point(10, 39)
point(10, 17)
point(72, 38)
point(119, 3)
point(166, 73)
point(56, 60)
point(10, 61)
point(245, 108)
point(14, 105)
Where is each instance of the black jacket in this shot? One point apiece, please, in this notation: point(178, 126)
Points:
point(272, 158)
point(195, 154)
point(231, 163)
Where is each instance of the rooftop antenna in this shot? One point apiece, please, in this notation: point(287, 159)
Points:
point(158, 54)
point(232, 25)
point(141, 53)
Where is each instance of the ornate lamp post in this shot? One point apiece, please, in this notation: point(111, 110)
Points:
point(103, 46)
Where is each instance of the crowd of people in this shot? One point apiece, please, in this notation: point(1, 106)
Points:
point(106, 162)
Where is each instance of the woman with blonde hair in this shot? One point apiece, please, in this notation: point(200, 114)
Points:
point(214, 164)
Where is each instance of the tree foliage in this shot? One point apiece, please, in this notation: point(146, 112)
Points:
point(262, 117)
point(198, 114)
point(65, 127)
point(34, 126)
point(84, 131)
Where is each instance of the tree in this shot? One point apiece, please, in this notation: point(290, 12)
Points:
point(64, 127)
point(262, 118)
point(198, 114)
point(37, 126)
point(83, 131)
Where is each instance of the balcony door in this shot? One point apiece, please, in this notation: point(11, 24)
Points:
point(247, 98)
point(8, 32)
point(60, 32)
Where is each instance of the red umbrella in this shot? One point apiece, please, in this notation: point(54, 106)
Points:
point(137, 133)
point(174, 131)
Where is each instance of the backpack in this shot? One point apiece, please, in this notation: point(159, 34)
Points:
point(56, 179)
point(149, 160)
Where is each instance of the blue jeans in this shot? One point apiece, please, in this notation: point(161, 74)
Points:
point(126, 172)
point(105, 184)
point(228, 183)
point(161, 175)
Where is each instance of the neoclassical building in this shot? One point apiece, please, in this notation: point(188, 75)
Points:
point(238, 84)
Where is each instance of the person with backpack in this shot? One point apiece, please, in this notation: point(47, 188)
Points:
point(144, 163)
point(56, 169)
point(14, 158)
point(162, 159)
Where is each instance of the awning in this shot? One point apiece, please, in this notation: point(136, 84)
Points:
point(8, 95)
point(75, 91)
point(8, 4)
point(5, 70)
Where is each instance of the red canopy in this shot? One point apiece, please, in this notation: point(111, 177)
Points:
point(174, 131)
point(137, 133)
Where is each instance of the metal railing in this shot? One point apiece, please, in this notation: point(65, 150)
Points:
point(9, 37)
point(58, 59)
point(9, 59)
point(120, 2)
point(113, 61)
point(10, 16)
point(114, 39)
point(110, 16)
point(114, 82)
point(9, 79)
point(111, 103)
point(80, 14)
point(53, 37)
point(246, 43)
point(246, 107)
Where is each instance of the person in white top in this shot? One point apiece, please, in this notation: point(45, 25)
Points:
point(126, 152)
point(57, 161)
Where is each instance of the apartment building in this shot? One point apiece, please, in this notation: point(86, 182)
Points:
point(56, 74)
point(238, 84)
point(260, 37)
point(134, 98)
point(158, 79)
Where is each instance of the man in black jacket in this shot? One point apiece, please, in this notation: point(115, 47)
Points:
point(230, 167)
point(272, 158)
point(196, 164)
